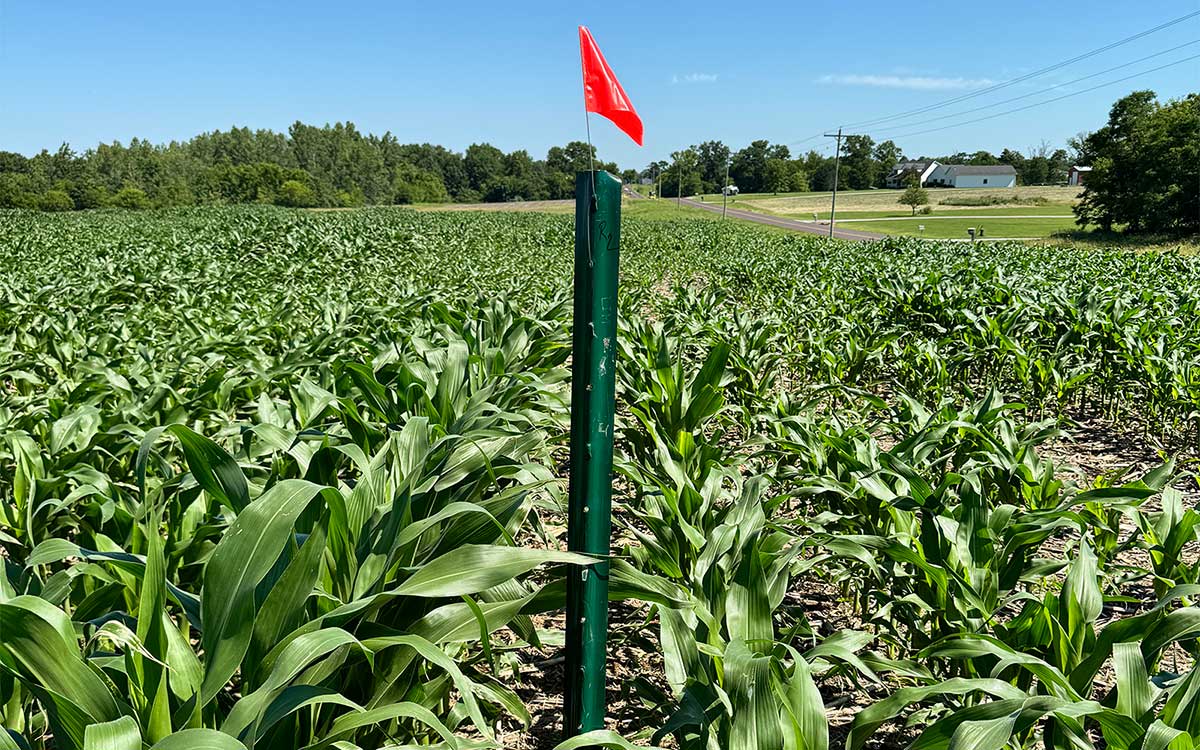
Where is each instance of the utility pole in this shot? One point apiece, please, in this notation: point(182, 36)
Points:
point(725, 192)
point(679, 190)
point(837, 162)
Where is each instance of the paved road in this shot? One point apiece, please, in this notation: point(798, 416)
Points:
point(776, 221)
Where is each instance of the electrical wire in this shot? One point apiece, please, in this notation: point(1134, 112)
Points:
point(1026, 77)
point(1048, 101)
point(1048, 89)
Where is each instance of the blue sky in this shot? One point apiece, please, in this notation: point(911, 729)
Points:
point(508, 73)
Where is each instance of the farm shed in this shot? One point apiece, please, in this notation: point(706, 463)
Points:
point(967, 176)
point(1078, 175)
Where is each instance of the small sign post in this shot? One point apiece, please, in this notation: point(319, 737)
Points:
point(593, 398)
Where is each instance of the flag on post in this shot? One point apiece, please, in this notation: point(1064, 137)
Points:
point(602, 92)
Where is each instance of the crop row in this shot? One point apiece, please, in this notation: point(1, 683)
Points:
point(280, 479)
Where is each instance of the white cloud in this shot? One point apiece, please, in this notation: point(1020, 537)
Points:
point(923, 83)
point(694, 78)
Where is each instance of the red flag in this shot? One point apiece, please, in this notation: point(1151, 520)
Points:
point(602, 92)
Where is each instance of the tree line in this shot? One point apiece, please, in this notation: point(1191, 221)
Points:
point(763, 167)
point(1145, 166)
point(1146, 169)
point(333, 165)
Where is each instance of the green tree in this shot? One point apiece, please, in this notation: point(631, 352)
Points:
point(91, 196)
point(858, 161)
point(1016, 160)
point(683, 176)
point(887, 156)
point(1145, 167)
point(10, 161)
point(712, 160)
point(484, 163)
point(416, 185)
point(749, 167)
point(295, 194)
point(914, 195)
point(819, 170)
point(17, 191)
point(56, 200)
point(783, 176)
point(132, 198)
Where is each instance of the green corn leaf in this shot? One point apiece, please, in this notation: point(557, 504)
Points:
point(748, 611)
point(434, 655)
point(120, 734)
point(298, 654)
point(755, 721)
point(989, 734)
point(870, 718)
point(473, 568)
point(213, 468)
point(242, 559)
point(1162, 737)
point(1135, 694)
point(35, 650)
point(152, 601)
point(600, 738)
point(199, 739)
point(804, 725)
point(10, 740)
point(298, 697)
point(283, 608)
point(347, 723)
point(681, 657)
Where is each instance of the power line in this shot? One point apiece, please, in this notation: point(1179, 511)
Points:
point(806, 140)
point(1027, 76)
point(1050, 88)
point(1049, 101)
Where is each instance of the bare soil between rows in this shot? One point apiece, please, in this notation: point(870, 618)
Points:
point(1092, 448)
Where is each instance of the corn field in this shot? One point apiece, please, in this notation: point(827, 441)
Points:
point(275, 480)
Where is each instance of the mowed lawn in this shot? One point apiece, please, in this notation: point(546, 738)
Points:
point(955, 228)
point(945, 212)
point(803, 205)
point(1028, 212)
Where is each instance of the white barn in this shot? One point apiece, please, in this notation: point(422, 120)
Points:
point(968, 176)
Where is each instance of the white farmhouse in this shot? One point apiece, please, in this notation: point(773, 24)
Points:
point(906, 170)
point(968, 176)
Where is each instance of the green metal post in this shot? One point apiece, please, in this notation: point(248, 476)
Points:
point(593, 395)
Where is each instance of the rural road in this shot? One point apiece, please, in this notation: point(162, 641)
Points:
point(776, 221)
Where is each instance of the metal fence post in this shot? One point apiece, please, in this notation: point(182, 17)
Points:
point(593, 396)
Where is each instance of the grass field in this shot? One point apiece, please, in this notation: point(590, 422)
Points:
point(947, 212)
point(952, 228)
point(802, 205)
point(876, 204)
point(281, 479)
